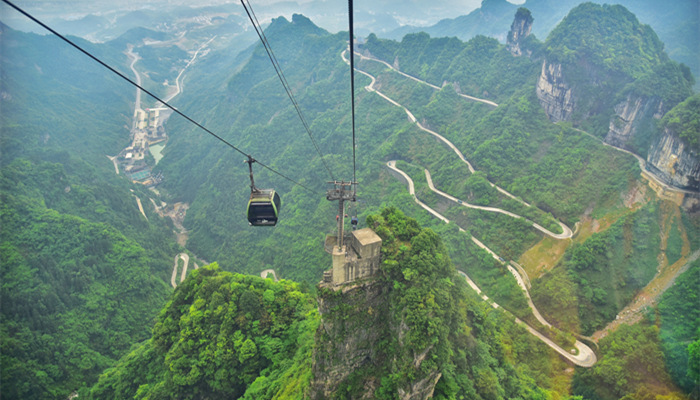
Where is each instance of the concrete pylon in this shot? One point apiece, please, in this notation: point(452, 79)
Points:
point(339, 265)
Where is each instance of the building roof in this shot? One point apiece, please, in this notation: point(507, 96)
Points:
point(366, 236)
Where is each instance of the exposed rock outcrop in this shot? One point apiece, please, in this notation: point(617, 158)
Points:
point(354, 321)
point(422, 389)
point(351, 340)
point(519, 30)
point(629, 116)
point(554, 93)
point(691, 202)
point(672, 161)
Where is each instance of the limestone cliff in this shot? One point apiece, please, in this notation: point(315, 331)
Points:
point(357, 325)
point(674, 162)
point(519, 30)
point(634, 114)
point(554, 93)
point(592, 72)
point(348, 339)
point(354, 344)
point(675, 155)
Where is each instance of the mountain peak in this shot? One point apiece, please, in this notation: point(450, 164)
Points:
point(494, 5)
point(519, 30)
point(300, 23)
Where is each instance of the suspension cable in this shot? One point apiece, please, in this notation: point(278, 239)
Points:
point(87, 53)
point(278, 69)
point(352, 87)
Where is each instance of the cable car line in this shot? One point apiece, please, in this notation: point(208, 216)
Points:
point(278, 69)
point(352, 86)
point(87, 53)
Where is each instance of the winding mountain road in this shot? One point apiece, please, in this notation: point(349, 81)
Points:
point(585, 357)
point(186, 260)
point(489, 102)
point(134, 58)
point(566, 231)
point(413, 119)
point(179, 76)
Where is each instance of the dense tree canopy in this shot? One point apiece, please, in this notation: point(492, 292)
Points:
point(221, 335)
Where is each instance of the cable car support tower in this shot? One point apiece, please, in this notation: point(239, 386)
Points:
point(346, 191)
point(342, 191)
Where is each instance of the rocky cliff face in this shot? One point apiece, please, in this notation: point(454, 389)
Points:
point(554, 93)
point(519, 30)
point(353, 323)
point(673, 162)
point(629, 117)
point(352, 340)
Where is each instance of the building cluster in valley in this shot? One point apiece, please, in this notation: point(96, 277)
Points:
point(147, 130)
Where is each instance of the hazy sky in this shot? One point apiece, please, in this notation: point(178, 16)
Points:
point(416, 12)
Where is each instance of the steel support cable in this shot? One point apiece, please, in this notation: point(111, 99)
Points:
point(278, 69)
point(178, 112)
point(352, 87)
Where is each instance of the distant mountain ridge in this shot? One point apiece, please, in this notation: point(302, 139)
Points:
point(677, 23)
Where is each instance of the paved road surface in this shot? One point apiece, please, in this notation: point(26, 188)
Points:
point(522, 285)
point(269, 271)
point(138, 201)
point(412, 191)
point(186, 259)
point(585, 357)
point(179, 76)
point(114, 161)
point(134, 58)
point(642, 165)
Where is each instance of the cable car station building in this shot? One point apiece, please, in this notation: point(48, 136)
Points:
point(358, 258)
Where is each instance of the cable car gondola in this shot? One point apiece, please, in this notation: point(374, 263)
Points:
point(264, 204)
point(263, 207)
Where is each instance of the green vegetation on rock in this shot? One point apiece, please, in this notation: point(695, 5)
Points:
point(221, 335)
point(684, 120)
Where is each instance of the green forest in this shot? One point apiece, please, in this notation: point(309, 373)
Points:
point(83, 272)
point(221, 335)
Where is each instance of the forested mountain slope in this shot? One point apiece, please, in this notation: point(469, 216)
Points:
point(252, 111)
point(602, 55)
point(83, 271)
point(677, 24)
point(221, 335)
point(275, 134)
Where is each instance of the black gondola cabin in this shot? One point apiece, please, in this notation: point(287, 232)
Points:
point(263, 207)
